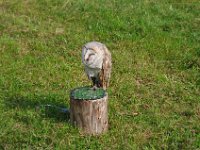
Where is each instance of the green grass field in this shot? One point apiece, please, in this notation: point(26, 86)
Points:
point(154, 95)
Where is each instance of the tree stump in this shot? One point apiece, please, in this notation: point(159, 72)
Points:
point(88, 110)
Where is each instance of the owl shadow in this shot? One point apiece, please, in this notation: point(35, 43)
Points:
point(44, 106)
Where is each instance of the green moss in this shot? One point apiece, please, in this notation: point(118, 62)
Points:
point(87, 93)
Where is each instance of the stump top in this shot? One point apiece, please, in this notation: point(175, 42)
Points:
point(87, 93)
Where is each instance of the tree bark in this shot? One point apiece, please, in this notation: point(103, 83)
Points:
point(90, 115)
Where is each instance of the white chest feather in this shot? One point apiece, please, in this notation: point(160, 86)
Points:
point(92, 72)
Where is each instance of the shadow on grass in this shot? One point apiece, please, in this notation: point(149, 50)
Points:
point(47, 106)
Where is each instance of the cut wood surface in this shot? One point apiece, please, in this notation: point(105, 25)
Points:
point(90, 115)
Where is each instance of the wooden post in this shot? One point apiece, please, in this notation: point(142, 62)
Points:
point(90, 115)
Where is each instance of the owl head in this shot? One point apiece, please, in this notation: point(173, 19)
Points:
point(92, 56)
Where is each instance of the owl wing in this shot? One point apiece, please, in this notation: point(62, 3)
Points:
point(106, 71)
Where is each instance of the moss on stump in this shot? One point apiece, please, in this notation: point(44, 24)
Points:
point(87, 93)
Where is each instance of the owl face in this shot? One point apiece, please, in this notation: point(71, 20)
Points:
point(89, 56)
point(92, 58)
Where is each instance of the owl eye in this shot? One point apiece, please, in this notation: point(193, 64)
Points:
point(89, 56)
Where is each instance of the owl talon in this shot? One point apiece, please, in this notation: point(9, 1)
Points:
point(94, 88)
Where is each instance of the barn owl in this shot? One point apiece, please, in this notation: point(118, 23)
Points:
point(97, 62)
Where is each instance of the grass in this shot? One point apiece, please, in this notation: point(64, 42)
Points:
point(154, 95)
